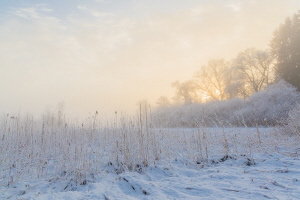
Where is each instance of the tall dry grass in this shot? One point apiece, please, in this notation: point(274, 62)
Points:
point(57, 148)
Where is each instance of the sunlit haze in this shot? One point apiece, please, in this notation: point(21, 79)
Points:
point(107, 55)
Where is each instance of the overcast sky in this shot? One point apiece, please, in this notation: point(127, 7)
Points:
point(107, 55)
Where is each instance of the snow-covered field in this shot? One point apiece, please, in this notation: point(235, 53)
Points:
point(135, 161)
point(274, 176)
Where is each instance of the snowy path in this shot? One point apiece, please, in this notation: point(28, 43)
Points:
point(275, 176)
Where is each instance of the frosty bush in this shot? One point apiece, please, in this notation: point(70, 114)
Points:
point(214, 113)
point(264, 108)
point(270, 106)
point(293, 121)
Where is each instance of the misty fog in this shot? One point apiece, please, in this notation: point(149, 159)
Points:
point(109, 55)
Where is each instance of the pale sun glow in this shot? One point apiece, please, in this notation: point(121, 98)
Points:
point(108, 55)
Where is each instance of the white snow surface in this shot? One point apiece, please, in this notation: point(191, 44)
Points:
point(274, 176)
point(260, 175)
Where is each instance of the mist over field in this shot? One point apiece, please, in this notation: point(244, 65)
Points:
point(109, 55)
point(148, 99)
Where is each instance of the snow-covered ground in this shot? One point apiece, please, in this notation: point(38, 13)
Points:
point(274, 176)
point(232, 163)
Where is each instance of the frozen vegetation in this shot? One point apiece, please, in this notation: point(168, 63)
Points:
point(134, 157)
point(268, 107)
point(230, 132)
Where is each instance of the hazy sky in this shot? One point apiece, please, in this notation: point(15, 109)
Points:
point(107, 55)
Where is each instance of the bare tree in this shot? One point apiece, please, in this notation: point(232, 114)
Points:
point(213, 79)
point(254, 70)
point(186, 92)
point(163, 101)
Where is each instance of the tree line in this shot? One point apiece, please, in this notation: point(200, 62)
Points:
point(252, 70)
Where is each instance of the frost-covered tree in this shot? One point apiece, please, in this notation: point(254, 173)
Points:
point(213, 79)
point(186, 92)
point(163, 101)
point(254, 71)
point(286, 49)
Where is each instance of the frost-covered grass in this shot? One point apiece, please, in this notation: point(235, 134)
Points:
point(275, 176)
point(129, 157)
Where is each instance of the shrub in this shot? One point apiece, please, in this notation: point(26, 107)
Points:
point(292, 124)
point(264, 108)
point(270, 106)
